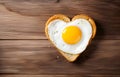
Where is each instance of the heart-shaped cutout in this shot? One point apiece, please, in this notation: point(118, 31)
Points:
point(71, 38)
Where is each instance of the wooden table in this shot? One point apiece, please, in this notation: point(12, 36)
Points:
point(26, 52)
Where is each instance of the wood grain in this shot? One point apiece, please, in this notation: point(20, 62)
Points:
point(59, 76)
point(40, 57)
point(26, 19)
point(26, 52)
point(39, 75)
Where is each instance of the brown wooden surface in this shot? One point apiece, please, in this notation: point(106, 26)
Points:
point(26, 52)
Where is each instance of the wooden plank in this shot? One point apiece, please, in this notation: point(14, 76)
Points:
point(25, 19)
point(59, 75)
point(40, 57)
point(40, 75)
point(22, 53)
point(15, 26)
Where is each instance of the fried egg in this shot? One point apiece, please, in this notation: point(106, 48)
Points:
point(70, 37)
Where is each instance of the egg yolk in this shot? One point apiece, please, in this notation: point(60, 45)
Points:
point(71, 34)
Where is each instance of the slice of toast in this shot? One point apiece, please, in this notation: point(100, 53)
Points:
point(70, 57)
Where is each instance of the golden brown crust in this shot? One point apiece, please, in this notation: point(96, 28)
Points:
point(57, 16)
point(69, 57)
point(90, 20)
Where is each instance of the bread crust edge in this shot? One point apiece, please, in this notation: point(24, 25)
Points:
point(68, 56)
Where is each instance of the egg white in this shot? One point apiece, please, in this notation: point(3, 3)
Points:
point(56, 27)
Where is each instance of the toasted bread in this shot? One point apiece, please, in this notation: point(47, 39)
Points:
point(68, 56)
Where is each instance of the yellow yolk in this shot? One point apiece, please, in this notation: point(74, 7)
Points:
point(71, 34)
